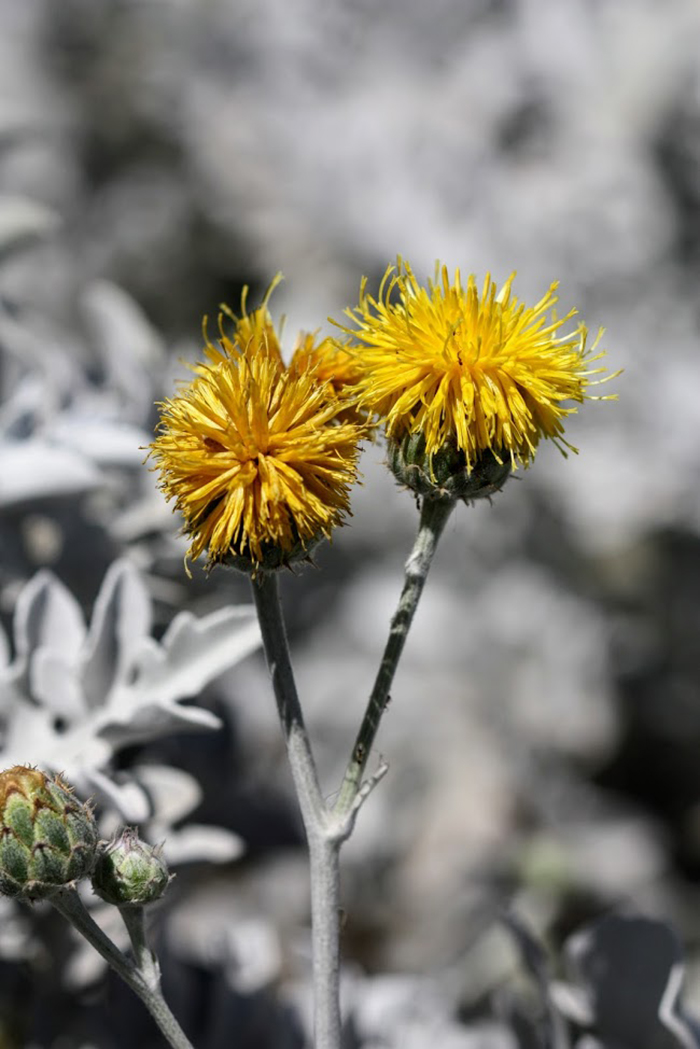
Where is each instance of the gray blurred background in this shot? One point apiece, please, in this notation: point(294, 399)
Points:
point(544, 733)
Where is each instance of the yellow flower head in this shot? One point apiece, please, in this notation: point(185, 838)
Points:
point(253, 452)
point(334, 364)
point(481, 372)
point(331, 361)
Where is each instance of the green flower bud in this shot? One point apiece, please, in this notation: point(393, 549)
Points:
point(446, 474)
point(47, 837)
point(129, 872)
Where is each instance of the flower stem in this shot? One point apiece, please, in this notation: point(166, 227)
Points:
point(433, 518)
point(301, 760)
point(327, 828)
point(141, 980)
point(325, 833)
point(135, 921)
point(324, 854)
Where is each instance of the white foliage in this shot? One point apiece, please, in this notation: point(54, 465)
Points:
point(23, 221)
point(73, 696)
point(35, 469)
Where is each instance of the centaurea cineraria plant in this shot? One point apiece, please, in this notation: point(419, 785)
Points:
point(259, 458)
point(464, 383)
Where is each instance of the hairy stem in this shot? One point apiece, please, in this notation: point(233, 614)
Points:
point(134, 919)
point(301, 760)
point(324, 855)
point(433, 518)
point(68, 902)
point(324, 833)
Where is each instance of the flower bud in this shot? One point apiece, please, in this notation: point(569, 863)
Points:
point(47, 837)
point(129, 872)
point(446, 474)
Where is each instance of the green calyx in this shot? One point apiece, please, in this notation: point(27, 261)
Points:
point(48, 839)
point(274, 557)
point(129, 872)
point(446, 474)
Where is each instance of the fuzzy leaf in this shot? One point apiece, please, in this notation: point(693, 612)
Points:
point(198, 843)
point(35, 469)
point(107, 442)
point(129, 720)
point(47, 616)
point(54, 683)
point(195, 651)
point(127, 797)
point(173, 792)
point(23, 221)
point(130, 348)
point(120, 621)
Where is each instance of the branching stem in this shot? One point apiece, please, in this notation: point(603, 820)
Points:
point(142, 978)
point(327, 828)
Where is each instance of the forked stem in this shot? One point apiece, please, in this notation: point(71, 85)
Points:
point(327, 828)
point(142, 980)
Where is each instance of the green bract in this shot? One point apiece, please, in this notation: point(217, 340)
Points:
point(446, 473)
point(129, 872)
point(48, 838)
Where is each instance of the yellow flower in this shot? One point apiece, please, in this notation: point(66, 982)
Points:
point(480, 372)
point(334, 364)
point(331, 361)
point(253, 453)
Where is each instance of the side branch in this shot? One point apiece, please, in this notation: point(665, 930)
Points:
point(434, 516)
point(142, 979)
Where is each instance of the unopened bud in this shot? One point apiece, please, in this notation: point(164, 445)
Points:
point(129, 872)
point(48, 838)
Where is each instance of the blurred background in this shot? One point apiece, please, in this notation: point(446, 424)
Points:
point(544, 734)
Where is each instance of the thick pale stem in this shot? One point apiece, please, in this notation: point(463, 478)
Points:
point(434, 515)
point(325, 932)
point(324, 833)
point(68, 902)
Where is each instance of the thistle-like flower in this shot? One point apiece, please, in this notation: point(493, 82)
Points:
point(333, 363)
point(48, 838)
point(466, 381)
point(129, 872)
point(259, 458)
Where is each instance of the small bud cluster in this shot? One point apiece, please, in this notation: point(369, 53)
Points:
point(49, 840)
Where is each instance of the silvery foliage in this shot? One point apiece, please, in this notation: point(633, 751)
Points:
point(401, 1011)
point(60, 433)
point(72, 696)
point(77, 408)
point(74, 421)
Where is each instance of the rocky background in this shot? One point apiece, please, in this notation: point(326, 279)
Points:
point(515, 880)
